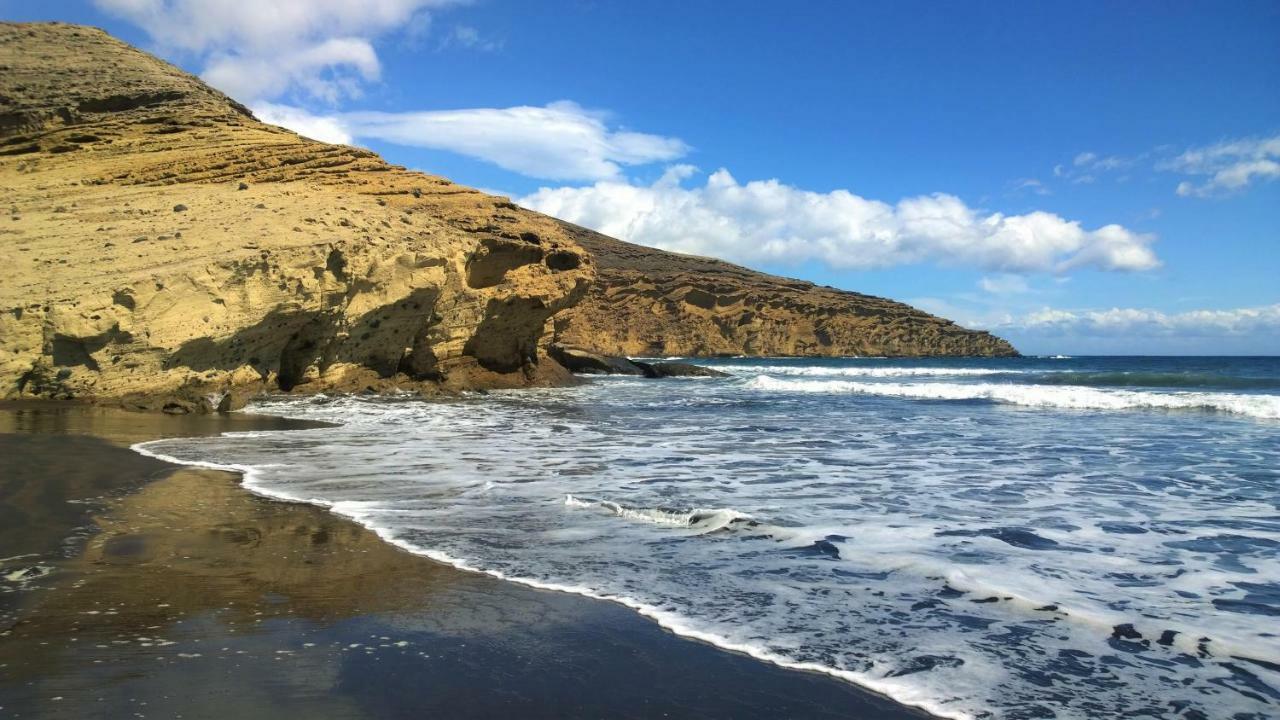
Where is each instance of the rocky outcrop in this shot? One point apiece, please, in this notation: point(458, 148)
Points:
point(589, 363)
point(164, 249)
point(586, 362)
point(648, 302)
point(677, 369)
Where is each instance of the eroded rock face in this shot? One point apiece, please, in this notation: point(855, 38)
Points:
point(165, 249)
point(653, 303)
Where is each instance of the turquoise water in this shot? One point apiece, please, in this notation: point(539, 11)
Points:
point(1016, 538)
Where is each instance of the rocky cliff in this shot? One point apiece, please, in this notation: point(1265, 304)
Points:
point(649, 302)
point(163, 248)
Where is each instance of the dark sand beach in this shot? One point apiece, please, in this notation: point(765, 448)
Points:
point(138, 588)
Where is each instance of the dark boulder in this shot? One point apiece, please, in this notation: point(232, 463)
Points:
point(677, 369)
point(578, 360)
point(584, 361)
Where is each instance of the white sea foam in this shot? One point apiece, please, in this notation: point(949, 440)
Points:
point(867, 371)
point(947, 555)
point(1056, 396)
point(24, 574)
point(703, 520)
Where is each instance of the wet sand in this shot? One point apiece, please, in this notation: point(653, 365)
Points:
point(145, 589)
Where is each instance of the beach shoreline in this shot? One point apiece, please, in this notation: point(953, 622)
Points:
point(186, 594)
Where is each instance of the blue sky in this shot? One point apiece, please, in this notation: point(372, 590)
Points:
point(1078, 177)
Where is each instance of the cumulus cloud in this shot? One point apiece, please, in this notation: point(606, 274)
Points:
point(1227, 166)
point(328, 71)
point(1130, 322)
point(768, 221)
point(260, 50)
point(560, 141)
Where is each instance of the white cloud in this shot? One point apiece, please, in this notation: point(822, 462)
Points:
point(1086, 167)
point(1094, 162)
point(1004, 284)
point(328, 71)
point(1131, 322)
point(1031, 185)
point(467, 37)
point(1216, 169)
point(324, 50)
point(768, 221)
point(260, 50)
point(325, 128)
point(1111, 163)
point(1227, 166)
point(561, 141)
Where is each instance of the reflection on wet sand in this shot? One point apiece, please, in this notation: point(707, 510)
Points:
point(125, 428)
point(193, 598)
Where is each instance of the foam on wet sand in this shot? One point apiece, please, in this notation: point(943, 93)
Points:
point(193, 597)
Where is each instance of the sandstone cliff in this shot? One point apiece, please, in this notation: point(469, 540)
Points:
point(649, 302)
point(162, 247)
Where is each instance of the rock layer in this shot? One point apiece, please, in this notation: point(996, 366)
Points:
point(649, 302)
point(165, 249)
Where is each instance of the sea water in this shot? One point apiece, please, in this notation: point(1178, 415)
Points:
point(1010, 538)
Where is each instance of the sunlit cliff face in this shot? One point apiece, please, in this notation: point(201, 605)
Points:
point(170, 248)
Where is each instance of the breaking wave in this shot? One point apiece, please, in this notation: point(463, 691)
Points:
point(876, 372)
point(1065, 396)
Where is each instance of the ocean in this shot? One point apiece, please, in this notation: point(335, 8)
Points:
point(986, 538)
